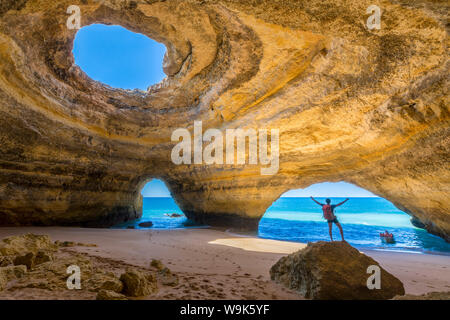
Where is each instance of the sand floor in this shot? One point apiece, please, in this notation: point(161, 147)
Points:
point(213, 264)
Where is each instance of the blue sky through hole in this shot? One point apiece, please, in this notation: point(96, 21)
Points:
point(118, 57)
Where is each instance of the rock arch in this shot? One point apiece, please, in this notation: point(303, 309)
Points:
point(369, 108)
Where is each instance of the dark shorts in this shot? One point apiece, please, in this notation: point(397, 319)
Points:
point(335, 220)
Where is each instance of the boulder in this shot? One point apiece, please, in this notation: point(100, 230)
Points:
point(157, 264)
point(417, 223)
point(42, 257)
point(164, 274)
point(112, 284)
point(137, 283)
point(105, 281)
point(173, 215)
point(26, 260)
point(31, 259)
point(167, 278)
point(333, 270)
point(147, 224)
point(110, 295)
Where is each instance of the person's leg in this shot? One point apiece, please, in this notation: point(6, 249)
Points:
point(330, 229)
point(340, 230)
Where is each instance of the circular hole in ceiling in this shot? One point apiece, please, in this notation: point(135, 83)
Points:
point(118, 57)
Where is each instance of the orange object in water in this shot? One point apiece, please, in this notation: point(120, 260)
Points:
point(387, 237)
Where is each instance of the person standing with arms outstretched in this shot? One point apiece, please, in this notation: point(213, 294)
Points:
point(328, 214)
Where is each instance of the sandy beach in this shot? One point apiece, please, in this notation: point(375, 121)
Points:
point(213, 264)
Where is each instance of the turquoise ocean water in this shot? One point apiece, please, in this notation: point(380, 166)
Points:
point(300, 220)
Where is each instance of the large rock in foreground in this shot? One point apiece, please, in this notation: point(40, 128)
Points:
point(333, 270)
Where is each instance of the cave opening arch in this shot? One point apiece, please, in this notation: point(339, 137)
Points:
point(159, 209)
point(294, 216)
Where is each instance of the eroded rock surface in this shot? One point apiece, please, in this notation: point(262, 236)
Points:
point(366, 107)
point(137, 283)
point(333, 271)
point(100, 278)
point(27, 243)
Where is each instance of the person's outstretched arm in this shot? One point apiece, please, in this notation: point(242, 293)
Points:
point(320, 204)
point(341, 203)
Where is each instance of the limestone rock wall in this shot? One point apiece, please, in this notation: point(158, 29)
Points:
point(367, 107)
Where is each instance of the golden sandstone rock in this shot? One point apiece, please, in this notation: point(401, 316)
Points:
point(157, 264)
point(368, 107)
point(24, 244)
point(9, 273)
point(137, 283)
point(98, 276)
point(110, 295)
point(334, 270)
point(104, 281)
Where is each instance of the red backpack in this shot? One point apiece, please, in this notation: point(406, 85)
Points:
point(327, 212)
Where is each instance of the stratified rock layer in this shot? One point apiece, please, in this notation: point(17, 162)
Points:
point(334, 270)
point(366, 107)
